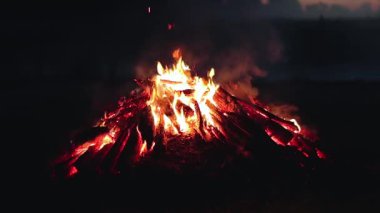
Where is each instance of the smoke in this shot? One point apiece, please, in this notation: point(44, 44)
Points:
point(237, 55)
point(237, 65)
point(236, 70)
point(287, 111)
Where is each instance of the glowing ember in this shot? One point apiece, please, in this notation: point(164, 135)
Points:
point(176, 104)
point(170, 26)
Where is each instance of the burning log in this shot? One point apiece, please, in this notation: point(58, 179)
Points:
point(176, 109)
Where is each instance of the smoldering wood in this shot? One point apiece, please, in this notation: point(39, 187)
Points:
point(239, 125)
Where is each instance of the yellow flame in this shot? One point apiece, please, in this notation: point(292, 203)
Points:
point(143, 148)
point(178, 98)
point(294, 121)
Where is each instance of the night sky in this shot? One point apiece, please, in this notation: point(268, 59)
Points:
point(69, 38)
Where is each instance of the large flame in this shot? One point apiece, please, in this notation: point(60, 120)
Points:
point(178, 104)
point(179, 101)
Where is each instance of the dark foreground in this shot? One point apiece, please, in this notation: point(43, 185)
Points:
point(42, 116)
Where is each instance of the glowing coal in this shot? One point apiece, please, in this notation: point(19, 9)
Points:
point(175, 106)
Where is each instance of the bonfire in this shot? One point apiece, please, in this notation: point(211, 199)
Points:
point(175, 109)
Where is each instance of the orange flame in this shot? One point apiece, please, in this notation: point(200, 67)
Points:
point(179, 98)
